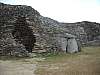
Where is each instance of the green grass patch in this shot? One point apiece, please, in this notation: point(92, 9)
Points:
point(85, 62)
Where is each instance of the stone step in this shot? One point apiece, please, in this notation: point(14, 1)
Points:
point(37, 48)
point(39, 51)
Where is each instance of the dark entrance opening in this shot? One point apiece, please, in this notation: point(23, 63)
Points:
point(24, 34)
point(67, 45)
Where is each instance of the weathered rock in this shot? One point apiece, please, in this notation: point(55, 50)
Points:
point(64, 43)
point(9, 46)
point(68, 43)
point(47, 33)
point(72, 45)
point(24, 34)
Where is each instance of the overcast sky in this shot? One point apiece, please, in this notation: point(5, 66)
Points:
point(64, 10)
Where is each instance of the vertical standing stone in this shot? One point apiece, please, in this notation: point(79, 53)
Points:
point(63, 44)
point(72, 46)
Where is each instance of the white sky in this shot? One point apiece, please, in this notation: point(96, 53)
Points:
point(64, 10)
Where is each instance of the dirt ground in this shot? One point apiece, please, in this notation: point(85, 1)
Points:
point(86, 62)
point(9, 67)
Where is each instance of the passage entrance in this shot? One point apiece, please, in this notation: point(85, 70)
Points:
point(24, 34)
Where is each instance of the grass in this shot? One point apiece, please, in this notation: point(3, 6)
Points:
point(86, 62)
point(14, 59)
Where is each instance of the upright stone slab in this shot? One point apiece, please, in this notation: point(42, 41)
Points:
point(72, 45)
point(64, 44)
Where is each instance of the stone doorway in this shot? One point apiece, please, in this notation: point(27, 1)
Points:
point(24, 34)
point(69, 45)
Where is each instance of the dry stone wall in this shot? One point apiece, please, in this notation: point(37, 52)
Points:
point(46, 33)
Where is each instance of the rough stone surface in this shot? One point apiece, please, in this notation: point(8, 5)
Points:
point(72, 46)
point(24, 34)
point(48, 32)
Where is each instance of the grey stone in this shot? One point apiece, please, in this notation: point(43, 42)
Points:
point(72, 46)
point(50, 34)
point(64, 44)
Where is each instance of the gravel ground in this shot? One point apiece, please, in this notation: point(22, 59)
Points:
point(16, 68)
